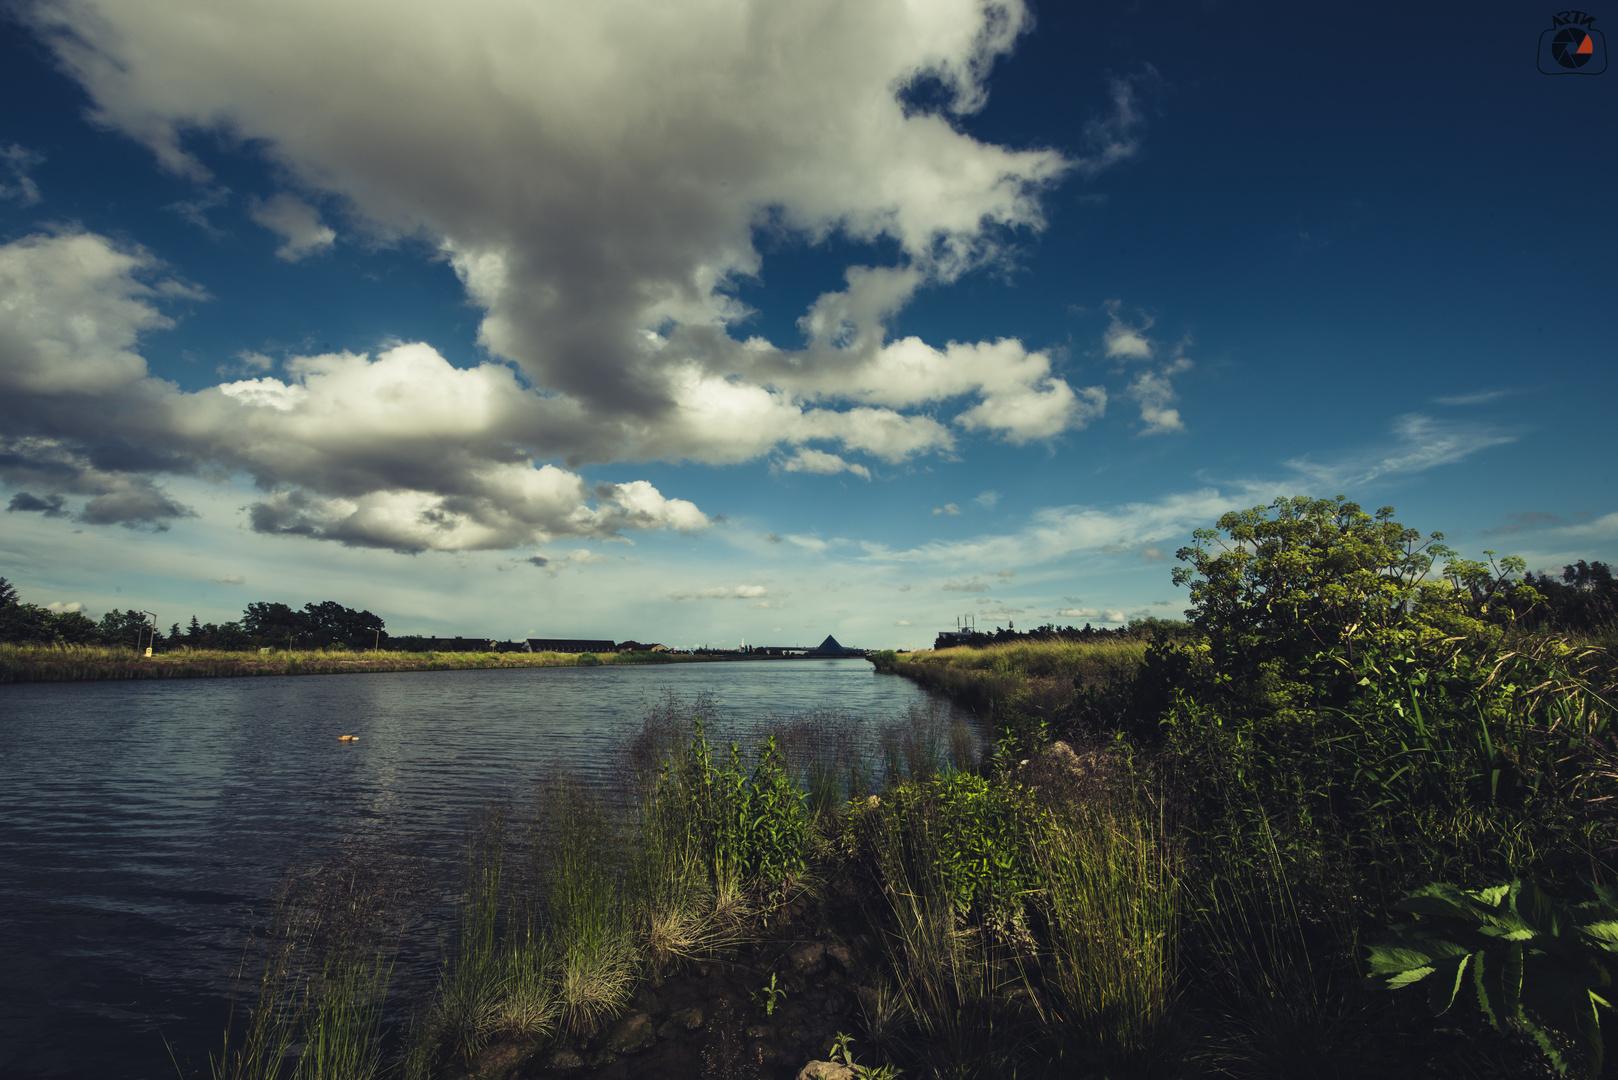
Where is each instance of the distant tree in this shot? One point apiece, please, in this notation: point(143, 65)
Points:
point(1295, 600)
point(25, 624)
point(74, 628)
point(127, 629)
point(1302, 574)
point(274, 624)
point(316, 626)
point(1586, 597)
point(330, 623)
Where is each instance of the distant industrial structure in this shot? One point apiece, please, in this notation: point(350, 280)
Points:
point(829, 647)
point(570, 645)
point(965, 633)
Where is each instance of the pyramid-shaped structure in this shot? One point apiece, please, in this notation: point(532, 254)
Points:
point(829, 647)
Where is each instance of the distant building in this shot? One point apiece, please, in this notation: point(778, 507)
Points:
point(570, 645)
point(830, 647)
point(949, 639)
point(635, 646)
point(419, 643)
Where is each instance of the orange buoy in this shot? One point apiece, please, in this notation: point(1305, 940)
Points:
point(348, 738)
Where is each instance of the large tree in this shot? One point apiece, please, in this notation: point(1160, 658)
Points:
point(316, 626)
point(24, 624)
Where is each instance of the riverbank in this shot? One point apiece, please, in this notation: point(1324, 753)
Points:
point(80, 663)
point(1181, 891)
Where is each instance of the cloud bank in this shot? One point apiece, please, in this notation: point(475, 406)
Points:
point(401, 450)
point(596, 174)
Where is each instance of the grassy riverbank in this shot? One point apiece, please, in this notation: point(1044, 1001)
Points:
point(952, 908)
point(1350, 822)
point(89, 663)
point(1103, 905)
point(1026, 682)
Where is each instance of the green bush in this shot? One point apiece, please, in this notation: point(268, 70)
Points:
point(969, 835)
point(588, 659)
point(1529, 961)
point(754, 826)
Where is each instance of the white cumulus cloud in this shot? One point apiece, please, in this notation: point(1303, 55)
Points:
point(401, 450)
point(723, 592)
point(297, 223)
point(818, 461)
point(595, 174)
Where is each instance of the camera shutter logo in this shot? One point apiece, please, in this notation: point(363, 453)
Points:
point(1572, 46)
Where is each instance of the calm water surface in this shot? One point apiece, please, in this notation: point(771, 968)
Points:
point(142, 823)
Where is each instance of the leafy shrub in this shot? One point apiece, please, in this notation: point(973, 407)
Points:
point(753, 826)
point(970, 835)
point(1533, 962)
point(588, 659)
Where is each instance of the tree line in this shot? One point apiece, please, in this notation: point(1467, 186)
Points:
point(1583, 599)
point(263, 624)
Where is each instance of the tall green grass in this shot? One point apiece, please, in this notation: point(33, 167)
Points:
point(1020, 926)
point(81, 663)
point(1109, 901)
point(1090, 661)
point(1033, 689)
point(325, 960)
point(587, 914)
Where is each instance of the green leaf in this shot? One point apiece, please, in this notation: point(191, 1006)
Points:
point(1511, 977)
point(1406, 978)
point(1587, 1030)
point(1446, 983)
point(1490, 993)
point(1388, 959)
point(1437, 905)
point(1606, 930)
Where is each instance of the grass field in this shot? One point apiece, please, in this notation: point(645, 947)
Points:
point(75, 663)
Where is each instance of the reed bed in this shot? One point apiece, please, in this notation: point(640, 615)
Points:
point(1087, 661)
point(88, 663)
point(323, 961)
point(1006, 922)
point(1005, 903)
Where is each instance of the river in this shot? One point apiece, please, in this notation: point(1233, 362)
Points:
point(142, 824)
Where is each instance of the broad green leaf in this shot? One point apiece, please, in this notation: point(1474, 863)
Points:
point(1587, 1029)
point(1607, 930)
point(1405, 978)
point(1511, 976)
point(1439, 906)
point(1446, 984)
point(1386, 959)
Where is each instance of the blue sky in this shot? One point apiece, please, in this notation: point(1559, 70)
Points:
point(712, 322)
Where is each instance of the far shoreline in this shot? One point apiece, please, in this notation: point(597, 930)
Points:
point(38, 664)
